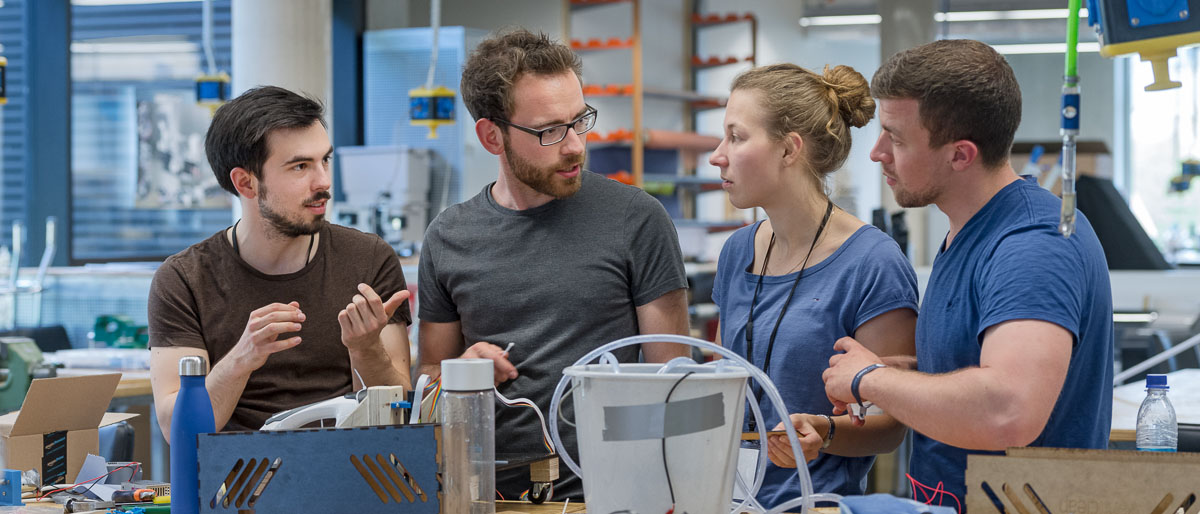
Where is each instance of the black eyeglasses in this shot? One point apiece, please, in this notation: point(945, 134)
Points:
point(554, 134)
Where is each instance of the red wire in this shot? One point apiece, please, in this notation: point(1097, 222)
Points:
point(101, 477)
point(938, 492)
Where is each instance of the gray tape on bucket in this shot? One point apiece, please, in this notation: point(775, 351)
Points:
point(659, 420)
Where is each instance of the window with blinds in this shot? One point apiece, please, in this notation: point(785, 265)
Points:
point(12, 120)
point(141, 188)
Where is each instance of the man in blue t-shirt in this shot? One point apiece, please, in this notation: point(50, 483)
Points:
point(1014, 336)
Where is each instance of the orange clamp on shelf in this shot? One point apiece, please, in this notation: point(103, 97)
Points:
point(716, 19)
point(621, 176)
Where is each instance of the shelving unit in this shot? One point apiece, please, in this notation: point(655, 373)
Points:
point(699, 21)
point(653, 156)
point(632, 44)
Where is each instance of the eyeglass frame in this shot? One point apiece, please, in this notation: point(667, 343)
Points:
point(591, 111)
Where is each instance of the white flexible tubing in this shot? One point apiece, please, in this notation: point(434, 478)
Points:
point(762, 456)
point(750, 499)
point(806, 500)
point(672, 364)
point(795, 502)
point(611, 360)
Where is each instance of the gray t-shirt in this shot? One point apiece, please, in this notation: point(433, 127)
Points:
point(559, 280)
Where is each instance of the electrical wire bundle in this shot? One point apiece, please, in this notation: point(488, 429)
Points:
point(931, 494)
point(93, 482)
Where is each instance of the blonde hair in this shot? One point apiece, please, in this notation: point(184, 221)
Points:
point(820, 108)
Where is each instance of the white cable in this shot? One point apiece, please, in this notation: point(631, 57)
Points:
point(806, 498)
point(517, 401)
point(418, 397)
point(435, 19)
point(361, 382)
point(206, 34)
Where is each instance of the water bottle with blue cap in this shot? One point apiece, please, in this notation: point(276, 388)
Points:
point(1157, 429)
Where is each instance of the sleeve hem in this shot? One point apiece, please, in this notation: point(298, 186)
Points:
point(657, 292)
point(887, 307)
point(992, 321)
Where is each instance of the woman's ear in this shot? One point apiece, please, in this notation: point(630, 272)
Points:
point(793, 148)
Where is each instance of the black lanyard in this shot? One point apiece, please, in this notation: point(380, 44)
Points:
point(307, 255)
point(766, 367)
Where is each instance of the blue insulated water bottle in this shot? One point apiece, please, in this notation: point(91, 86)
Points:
point(192, 415)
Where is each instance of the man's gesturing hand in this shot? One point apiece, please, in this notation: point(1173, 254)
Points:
point(364, 318)
point(261, 337)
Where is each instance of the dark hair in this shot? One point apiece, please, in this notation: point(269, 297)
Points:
point(497, 63)
point(238, 134)
point(965, 89)
point(820, 108)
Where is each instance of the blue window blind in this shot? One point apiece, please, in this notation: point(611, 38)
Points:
point(133, 71)
point(12, 121)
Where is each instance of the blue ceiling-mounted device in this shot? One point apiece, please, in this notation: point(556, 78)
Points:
point(1152, 28)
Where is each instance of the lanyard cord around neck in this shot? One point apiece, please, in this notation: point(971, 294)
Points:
point(307, 255)
point(754, 302)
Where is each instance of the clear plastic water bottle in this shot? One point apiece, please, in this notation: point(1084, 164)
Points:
point(1157, 430)
point(192, 415)
point(468, 415)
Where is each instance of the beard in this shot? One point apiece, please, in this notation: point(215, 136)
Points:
point(543, 180)
point(909, 199)
point(288, 227)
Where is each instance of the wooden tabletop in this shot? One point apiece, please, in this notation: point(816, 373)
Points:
point(133, 382)
point(515, 507)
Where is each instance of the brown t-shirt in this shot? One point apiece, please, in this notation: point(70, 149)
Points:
point(202, 298)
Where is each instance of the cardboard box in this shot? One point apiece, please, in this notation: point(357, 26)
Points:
point(57, 425)
point(1083, 481)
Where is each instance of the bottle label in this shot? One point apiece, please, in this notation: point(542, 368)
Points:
point(1156, 449)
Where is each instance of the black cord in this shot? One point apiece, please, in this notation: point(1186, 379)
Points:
point(666, 468)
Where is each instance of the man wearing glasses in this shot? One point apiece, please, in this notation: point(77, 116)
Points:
point(551, 258)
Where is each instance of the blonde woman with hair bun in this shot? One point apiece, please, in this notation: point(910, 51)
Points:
point(789, 286)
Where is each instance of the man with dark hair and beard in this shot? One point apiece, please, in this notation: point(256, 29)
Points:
point(550, 257)
point(261, 300)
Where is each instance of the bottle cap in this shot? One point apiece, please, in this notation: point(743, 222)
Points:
point(1156, 382)
point(467, 374)
point(192, 366)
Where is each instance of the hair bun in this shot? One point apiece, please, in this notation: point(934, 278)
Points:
point(853, 94)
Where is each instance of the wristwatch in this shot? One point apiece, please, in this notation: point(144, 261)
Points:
point(828, 439)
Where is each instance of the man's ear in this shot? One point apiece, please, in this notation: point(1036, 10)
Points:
point(244, 182)
point(490, 136)
point(793, 148)
point(966, 154)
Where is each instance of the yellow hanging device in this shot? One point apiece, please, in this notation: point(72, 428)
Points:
point(431, 108)
point(1152, 28)
point(212, 91)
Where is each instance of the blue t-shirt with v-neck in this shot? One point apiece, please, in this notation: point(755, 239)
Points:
point(1009, 262)
point(866, 276)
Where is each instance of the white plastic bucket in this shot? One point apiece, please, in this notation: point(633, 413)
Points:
point(617, 415)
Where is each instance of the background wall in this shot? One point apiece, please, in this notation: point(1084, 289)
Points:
point(858, 186)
